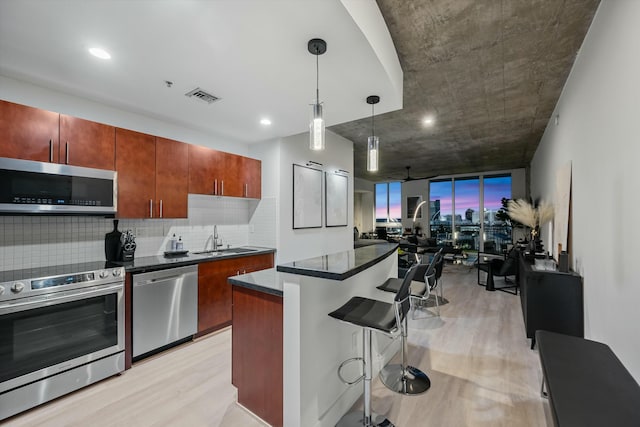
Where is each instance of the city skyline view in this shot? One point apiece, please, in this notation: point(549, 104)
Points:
point(467, 196)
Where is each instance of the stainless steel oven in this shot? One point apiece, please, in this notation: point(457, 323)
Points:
point(61, 328)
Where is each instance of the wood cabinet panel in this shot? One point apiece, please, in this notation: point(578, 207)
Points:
point(136, 167)
point(252, 174)
point(204, 170)
point(86, 143)
point(232, 183)
point(172, 178)
point(28, 133)
point(214, 292)
point(257, 341)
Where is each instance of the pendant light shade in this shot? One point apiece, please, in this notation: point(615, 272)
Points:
point(373, 143)
point(316, 124)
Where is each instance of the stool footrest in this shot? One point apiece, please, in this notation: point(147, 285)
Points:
point(346, 362)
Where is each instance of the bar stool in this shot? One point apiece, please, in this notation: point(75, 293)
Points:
point(403, 378)
point(373, 315)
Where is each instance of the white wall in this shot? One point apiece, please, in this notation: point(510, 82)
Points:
point(597, 132)
point(364, 207)
point(40, 97)
point(304, 243)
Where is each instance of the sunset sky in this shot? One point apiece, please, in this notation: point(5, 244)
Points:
point(467, 195)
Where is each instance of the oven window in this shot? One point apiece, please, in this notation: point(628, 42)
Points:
point(34, 339)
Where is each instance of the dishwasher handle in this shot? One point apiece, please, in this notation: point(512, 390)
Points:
point(158, 280)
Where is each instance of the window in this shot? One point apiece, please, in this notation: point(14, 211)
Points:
point(388, 206)
point(440, 204)
point(497, 233)
point(459, 216)
point(467, 218)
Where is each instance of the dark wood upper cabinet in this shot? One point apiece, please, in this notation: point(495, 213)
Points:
point(86, 143)
point(136, 167)
point(172, 178)
point(252, 174)
point(232, 183)
point(204, 170)
point(28, 133)
point(223, 174)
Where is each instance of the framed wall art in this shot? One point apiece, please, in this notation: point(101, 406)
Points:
point(307, 197)
point(336, 199)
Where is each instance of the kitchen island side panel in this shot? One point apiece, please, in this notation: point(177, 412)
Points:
point(257, 353)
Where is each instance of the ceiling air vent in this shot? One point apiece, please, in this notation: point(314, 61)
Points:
point(202, 95)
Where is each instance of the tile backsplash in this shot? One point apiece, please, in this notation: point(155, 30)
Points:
point(35, 241)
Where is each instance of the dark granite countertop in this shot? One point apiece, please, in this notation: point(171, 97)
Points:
point(160, 262)
point(267, 281)
point(340, 265)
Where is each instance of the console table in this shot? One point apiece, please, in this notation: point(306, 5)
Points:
point(551, 301)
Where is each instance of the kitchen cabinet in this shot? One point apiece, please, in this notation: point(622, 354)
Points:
point(204, 170)
point(214, 292)
point(44, 136)
point(29, 133)
point(252, 174)
point(172, 178)
point(223, 174)
point(136, 167)
point(86, 143)
point(152, 176)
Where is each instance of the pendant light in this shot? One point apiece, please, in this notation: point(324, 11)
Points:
point(316, 125)
point(373, 148)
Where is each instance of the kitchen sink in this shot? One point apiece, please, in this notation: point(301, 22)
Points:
point(222, 252)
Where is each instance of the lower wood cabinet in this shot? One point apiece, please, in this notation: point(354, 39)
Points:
point(214, 292)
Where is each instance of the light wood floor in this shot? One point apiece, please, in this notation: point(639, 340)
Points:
point(476, 355)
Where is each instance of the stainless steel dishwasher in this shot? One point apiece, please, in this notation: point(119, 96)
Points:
point(164, 307)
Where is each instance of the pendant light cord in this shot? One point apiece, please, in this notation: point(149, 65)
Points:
point(373, 127)
point(317, 76)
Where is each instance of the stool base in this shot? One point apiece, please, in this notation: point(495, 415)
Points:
point(356, 419)
point(409, 381)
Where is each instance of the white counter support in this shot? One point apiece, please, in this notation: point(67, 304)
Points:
point(315, 344)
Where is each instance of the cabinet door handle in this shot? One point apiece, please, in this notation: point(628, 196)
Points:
point(66, 150)
point(246, 190)
point(160, 208)
point(215, 187)
point(150, 208)
point(51, 150)
point(221, 187)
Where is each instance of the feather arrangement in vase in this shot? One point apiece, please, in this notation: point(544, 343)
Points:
point(533, 217)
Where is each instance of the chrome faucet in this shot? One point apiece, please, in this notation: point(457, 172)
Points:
point(214, 239)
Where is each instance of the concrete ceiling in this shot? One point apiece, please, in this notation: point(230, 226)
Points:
point(490, 73)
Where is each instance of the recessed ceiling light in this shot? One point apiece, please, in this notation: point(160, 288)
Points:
point(99, 53)
point(265, 122)
point(428, 121)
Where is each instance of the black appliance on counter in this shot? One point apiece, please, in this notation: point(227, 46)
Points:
point(118, 246)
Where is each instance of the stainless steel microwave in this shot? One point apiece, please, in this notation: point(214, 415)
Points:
point(29, 187)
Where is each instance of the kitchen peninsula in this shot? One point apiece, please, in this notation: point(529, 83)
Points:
point(280, 318)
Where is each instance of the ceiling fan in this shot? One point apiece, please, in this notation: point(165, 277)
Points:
point(410, 178)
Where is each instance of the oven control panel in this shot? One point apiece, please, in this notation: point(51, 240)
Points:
point(26, 287)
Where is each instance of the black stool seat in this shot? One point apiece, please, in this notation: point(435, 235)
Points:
point(368, 313)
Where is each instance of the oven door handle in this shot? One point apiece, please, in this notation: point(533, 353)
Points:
point(38, 302)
